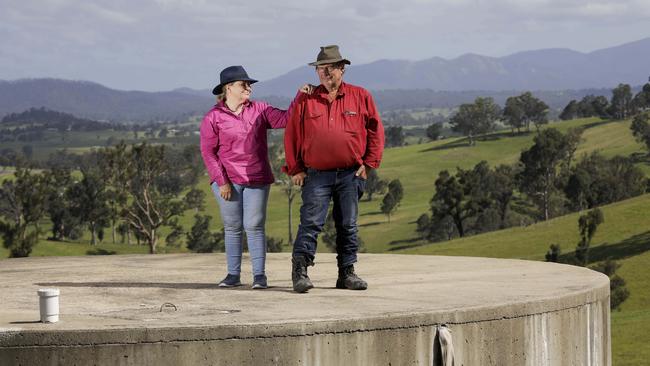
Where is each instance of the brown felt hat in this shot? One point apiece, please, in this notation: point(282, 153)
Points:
point(329, 55)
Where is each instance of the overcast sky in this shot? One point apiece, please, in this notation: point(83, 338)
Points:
point(164, 44)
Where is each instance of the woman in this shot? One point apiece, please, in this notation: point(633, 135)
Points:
point(234, 150)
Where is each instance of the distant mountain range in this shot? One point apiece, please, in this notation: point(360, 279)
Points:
point(548, 69)
point(560, 74)
point(91, 100)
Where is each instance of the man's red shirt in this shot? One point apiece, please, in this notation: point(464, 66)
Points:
point(324, 135)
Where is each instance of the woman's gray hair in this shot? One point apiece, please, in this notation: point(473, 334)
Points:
point(221, 97)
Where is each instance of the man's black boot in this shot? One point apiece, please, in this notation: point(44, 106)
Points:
point(301, 282)
point(349, 280)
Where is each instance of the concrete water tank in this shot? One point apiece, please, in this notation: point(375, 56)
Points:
point(167, 310)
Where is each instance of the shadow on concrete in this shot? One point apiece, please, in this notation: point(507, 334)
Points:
point(172, 285)
point(168, 285)
point(25, 322)
point(248, 288)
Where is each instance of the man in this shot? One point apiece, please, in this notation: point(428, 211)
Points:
point(333, 138)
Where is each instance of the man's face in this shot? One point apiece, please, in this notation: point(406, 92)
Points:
point(330, 75)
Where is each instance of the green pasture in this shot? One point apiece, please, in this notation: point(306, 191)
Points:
point(82, 141)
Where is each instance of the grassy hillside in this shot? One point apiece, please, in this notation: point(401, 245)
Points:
point(624, 237)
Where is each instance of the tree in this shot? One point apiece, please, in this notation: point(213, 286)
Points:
point(192, 162)
point(173, 238)
point(450, 201)
point(276, 156)
point(393, 198)
point(476, 118)
point(553, 253)
point(596, 180)
point(28, 151)
point(588, 106)
point(514, 113)
point(501, 191)
point(587, 223)
point(89, 202)
point(541, 168)
point(374, 184)
point(154, 185)
point(641, 128)
point(423, 226)
point(395, 187)
point(111, 161)
point(621, 103)
point(641, 100)
point(22, 204)
point(535, 110)
point(570, 111)
point(394, 136)
point(195, 199)
point(201, 240)
point(58, 206)
point(433, 131)
point(274, 245)
point(600, 106)
point(618, 292)
point(523, 109)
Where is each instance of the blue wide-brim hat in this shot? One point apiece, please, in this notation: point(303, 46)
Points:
point(230, 74)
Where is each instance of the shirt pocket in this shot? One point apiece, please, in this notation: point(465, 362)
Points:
point(230, 133)
point(353, 122)
point(313, 123)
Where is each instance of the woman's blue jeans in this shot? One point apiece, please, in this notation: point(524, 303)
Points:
point(245, 211)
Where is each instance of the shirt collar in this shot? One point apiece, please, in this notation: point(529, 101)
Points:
point(222, 105)
point(320, 90)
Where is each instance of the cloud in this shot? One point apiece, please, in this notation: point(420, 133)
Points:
point(163, 44)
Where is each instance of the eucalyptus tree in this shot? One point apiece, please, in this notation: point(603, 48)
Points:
point(474, 119)
point(22, 205)
point(621, 103)
point(587, 224)
point(375, 185)
point(154, 181)
point(276, 157)
point(541, 168)
point(393, 198)
point(641, 128)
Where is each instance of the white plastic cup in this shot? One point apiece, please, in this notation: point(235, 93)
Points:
point(49, 304)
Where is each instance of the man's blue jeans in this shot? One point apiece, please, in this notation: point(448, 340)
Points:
point(344, 189)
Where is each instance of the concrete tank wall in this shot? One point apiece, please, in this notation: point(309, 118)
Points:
point(573, 336)
point(500, 312)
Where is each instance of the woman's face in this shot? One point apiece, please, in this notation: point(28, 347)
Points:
point(239, 89)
